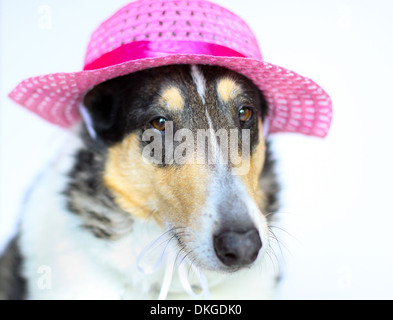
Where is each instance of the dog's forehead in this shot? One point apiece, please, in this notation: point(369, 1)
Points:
point(199, 90)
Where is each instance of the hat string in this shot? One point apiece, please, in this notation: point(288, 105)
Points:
point(169, 255)
point(88, 121)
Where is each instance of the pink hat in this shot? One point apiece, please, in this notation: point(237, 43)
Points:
point(150, 33)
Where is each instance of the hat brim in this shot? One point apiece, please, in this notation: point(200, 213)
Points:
point(296, 103)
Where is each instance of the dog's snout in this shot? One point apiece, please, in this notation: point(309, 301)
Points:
point(237, 249)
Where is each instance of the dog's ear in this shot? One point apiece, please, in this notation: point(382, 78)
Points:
point(103, 105)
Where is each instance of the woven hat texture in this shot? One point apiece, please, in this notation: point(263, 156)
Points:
point(296, 103)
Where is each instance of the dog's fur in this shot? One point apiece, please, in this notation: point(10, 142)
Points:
point(84, 230)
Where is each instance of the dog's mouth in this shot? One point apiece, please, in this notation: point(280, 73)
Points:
point(200, 257)
point(229, 250)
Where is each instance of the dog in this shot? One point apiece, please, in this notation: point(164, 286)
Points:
point(90, 216)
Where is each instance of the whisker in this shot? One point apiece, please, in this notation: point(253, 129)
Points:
point(184, 257)
point(165, 240)
point(287, 233)
point(281, 229)
point(269, 214)
point(273, 252)
point(268, 253)
point(279, 243)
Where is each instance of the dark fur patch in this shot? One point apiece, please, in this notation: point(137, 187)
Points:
point(269, 184)
point(87, 197)
point(12, 283)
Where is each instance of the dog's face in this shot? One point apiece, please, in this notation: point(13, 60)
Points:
point(195, 189)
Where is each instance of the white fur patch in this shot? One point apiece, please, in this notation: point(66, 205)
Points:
point(199, 81)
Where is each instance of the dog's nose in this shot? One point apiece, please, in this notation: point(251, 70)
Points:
point(236, 249)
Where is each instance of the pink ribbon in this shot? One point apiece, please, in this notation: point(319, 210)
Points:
point(152, 49)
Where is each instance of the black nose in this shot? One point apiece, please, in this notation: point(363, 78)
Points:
point(237, 248)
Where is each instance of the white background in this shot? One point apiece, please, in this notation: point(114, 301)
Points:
point(337, 193)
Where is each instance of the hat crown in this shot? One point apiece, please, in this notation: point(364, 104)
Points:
point(173, 20)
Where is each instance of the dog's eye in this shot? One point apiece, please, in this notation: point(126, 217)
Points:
point(159, 123)
point(245, 114)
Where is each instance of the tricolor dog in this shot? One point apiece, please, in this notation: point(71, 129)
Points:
point(169, 187)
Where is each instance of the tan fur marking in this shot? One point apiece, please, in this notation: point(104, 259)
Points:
point(172, 99)
point(172, 195)
point(122, 176)
point(251, 179)
point(227, 89)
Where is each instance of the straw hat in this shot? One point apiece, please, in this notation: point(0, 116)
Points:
point(150, 33)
